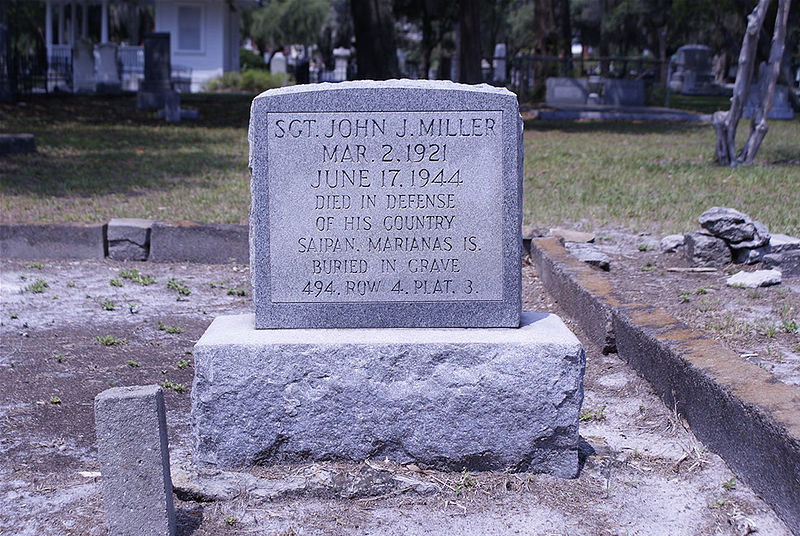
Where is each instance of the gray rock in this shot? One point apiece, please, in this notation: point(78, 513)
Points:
point(448, 398)
point(759, 278)
point(134, 461)
point(702, 249)
point(129, 239)
point(366, 211)
point(760, 238)
point(788, 262)
point(778, 243)
point(671, 243)
point(734, 227)
point(589, 254)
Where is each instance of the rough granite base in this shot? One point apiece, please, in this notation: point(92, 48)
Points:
point(485, 399)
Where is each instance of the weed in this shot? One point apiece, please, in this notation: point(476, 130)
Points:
point(59, 357)
point(131, 363)
point(54, 297)
point(645, 247)
point(589, 415)
point(129, 273)
point(789, 327)
point(754, 295)
point(217, 284)
point(796, 348)
point(108, 305)
point(729, 485)
point(13, 316)
point(55, 400)
point(133, 308)
point(36, 265)
point(146, 279)
point(716, 504)
point(182, 364)
point(188, 352)
point(87, 295)
point(769, 330)
point(110, 340)
point(177, 387)
point(703, 290)
point(71, 284)
point(465, 483)
point(683, 296)
point(167, 329)
point(235, 291)
point(115, 283)
point(230, 521)
point(178, 286)
point(37, 287)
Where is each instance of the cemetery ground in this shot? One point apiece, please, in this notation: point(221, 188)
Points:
point(70, 329)
point(629, 183)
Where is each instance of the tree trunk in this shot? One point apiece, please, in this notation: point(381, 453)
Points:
point(470, 41)
point(758, 125)
point(725, 123)
point(376, 51)
point(565, 29)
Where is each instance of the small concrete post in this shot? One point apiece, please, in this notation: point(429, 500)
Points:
point(131, 429)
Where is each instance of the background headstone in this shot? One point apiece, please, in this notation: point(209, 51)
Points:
point(277, 65)
point(83, 67)
point(566, 91)
point(157, 71)
point(108, 80)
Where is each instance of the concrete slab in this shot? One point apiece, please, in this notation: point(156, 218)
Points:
point(52, 241)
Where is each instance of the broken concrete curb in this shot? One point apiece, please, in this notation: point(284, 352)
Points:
point(737, 409)
point(53, 241)
point(210, 243)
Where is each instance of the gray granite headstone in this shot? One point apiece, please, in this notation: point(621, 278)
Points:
point(133, 452)
point(561, 91)
point(386, 204)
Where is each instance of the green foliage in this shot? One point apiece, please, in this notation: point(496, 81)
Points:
point(177, 387)
point(115, 283)
point(55, 400)
point(167, 329)
point(249, 60)
point(37, 287)
point(13, 316)
point(36, 265)
point(729, 485)
point(108, 305)
point(133, 275)
point(589, 415)
point(182, 364)
point(283, 22)
point(131, 363)
point(178, 286)
point(110, 340)
point(250, 81)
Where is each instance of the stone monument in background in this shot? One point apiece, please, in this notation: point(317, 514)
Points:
point(157, 83)
point(393, 207)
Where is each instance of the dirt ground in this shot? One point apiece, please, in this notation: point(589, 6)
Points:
point(643, 472)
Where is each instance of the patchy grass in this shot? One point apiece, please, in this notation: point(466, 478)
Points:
point(100, 158)
point(655, 176)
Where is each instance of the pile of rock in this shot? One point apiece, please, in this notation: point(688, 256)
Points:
point(732, 236)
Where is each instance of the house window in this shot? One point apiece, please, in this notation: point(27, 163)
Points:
point(190, 28)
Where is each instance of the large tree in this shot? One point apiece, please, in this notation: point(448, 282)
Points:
point(376, 51)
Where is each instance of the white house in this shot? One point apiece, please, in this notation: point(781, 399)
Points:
point(204, 35)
